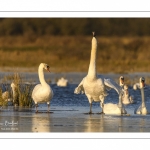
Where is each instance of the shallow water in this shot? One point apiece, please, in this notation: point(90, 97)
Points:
point(69, 115)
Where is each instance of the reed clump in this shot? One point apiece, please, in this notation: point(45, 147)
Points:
point(20, 93)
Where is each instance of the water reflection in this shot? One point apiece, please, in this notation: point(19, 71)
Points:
point(94, 124)
point(120, 125)
point(41, 123)
point(70, 121)
point(142, 125)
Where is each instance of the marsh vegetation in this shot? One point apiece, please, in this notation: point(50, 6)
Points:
point(72, 53)
point(19, 94)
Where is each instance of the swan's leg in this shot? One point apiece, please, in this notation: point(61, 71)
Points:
point(36, 105)
point(48, 104)
point(90, 102)
point(102, 104)
point(90, 112)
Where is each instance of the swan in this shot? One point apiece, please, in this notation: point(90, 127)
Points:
point(15, 93)
point(127, 98)
point(94, 87)
point(62, 82)
point(111, 108)
point(42, 93)
point(142, 109)
point(6, 95)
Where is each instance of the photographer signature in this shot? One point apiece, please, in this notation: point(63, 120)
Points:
point(7, 123)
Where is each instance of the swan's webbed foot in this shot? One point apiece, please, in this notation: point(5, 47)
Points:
point(49, 112)
point(90, 112)
point(100, 113)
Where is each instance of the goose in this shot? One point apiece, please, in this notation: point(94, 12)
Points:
point(142, 109)
point(96, 87)
point(42, 93)
point(62, 82)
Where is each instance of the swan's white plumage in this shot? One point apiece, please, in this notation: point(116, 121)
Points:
point(42, 93)
point(94, 87)
point(127, 98)
point(14, 92)
point(5, 95)
point(111, 108)
point(142, 108)
point(121, 81)
point(62, 82)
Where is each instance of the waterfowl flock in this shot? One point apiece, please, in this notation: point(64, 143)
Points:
point(95, 87)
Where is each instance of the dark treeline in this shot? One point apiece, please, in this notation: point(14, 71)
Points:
point(75, 26)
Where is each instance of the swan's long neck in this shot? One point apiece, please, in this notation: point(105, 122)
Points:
point(41, 75)
point(120, 101)
point(92, 66)
point(143, 97)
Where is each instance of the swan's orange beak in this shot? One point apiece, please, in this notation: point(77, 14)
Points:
point(143, 84)
point(122, 80)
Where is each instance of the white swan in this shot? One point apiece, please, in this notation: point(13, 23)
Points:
point(127, 98)
point(42, 93)
point(6, 96)
point(142, 109)
point(111, 108)
point(62, 82)
point(95, 88)
point(14, 93)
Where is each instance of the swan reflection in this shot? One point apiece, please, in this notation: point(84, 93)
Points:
point(41, 123)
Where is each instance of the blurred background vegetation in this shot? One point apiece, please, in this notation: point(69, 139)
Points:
point(65, 43)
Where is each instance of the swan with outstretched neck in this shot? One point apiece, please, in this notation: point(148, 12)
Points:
point(142, 109)
point(94, 87)
point(126, 98)
point(42, 93)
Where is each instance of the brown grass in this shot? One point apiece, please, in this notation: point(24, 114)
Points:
point(72, 54)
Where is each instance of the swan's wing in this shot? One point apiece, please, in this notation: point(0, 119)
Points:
point(80, 88)
point(112, 84)
point(136, 86)
point(138, 109)
point(35, 90)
